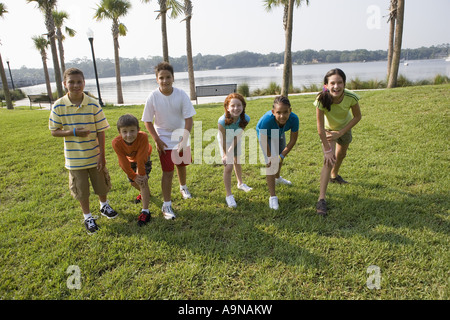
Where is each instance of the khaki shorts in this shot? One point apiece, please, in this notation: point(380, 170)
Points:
point(79, 182)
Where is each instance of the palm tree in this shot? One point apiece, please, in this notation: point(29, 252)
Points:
point(41, 44)
point(46, 6)
point(188, 16)
point(114, 10)
point(8, 100)
point(392, 81)
point(288, 20)
point(391, 20)
point(164, 5)
point(59, 17)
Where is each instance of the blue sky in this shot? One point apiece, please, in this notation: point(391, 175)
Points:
point(226, 26)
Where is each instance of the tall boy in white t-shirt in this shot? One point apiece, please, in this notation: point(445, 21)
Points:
point(168, 116)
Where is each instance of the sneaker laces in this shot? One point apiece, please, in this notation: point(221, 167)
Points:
point(108, 208)
point(167, 209)
point(91, 222)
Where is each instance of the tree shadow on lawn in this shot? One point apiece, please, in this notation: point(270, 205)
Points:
point(242, 234)
point(253, 233)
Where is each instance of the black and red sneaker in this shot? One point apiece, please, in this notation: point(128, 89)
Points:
point(138, 199)
point(143, 218)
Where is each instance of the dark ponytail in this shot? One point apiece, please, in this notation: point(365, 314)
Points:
point(324, 97)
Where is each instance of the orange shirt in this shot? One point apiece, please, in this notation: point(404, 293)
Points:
point(139, 152)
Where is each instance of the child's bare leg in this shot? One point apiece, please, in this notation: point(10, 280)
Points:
point(238, 172)
point(85, 205)
point(181, 172)
point(166, 185)
point(341, 152)
point(135, 185)
point(277, 175)
point(325, 175)
point(324, 178)
point(145, 194)
point(271, 184)
point(227, 178)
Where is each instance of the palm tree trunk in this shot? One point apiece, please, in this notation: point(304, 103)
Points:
point(61, 50)
point(392, 83)
point(47, 77)
point(190, 61)
point(287, 70)
point(392, 18)
point(9, 104)
point(165, 42)
point(50, 25)
point(391, 46)
point(56, 68)
point(117, 66)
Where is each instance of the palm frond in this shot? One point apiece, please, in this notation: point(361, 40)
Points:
point(70, 32)
point(122, 29)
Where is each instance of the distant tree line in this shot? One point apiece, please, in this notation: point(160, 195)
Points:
point(138, 66)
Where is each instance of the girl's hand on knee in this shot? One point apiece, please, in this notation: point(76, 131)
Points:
point(224, 159)
point(329, 159)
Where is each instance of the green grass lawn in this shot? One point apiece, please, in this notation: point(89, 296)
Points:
point(394, 214)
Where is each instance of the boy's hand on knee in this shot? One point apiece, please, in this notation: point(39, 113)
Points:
point(141, 180)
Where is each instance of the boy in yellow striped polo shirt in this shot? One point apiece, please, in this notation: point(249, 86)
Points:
point(81, 121)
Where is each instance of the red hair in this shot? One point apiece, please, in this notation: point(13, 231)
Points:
point(228, 119)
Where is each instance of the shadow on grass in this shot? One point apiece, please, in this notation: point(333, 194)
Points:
point(253, 233)
point(241, 234)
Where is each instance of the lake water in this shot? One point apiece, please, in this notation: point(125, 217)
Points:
point(136, 88)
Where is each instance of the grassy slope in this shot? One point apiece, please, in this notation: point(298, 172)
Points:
point(394, 215)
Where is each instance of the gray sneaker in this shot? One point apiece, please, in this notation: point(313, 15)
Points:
point(185, 193)
point(168, 212)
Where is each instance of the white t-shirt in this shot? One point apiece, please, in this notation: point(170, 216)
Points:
point(168, 114)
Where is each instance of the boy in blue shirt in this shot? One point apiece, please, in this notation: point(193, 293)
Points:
point(271, 130)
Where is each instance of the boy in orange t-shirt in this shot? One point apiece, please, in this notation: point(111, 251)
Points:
point(133, 151)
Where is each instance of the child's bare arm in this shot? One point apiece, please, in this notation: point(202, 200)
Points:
point(160, 145)
point(78, 132)
point(187, 131)
point(101, 163)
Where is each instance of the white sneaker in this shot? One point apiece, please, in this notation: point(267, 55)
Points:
point(185, 193)
point(273, 203)
point(168, 212)
point(281, 180)
point(231, 202)
point(244, 187)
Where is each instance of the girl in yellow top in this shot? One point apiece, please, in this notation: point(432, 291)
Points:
point(337, 112)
